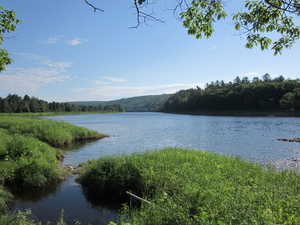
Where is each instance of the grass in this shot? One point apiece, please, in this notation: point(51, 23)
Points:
point(28, 157)
point(52, 132)
point(26, 218)
point(195, 187)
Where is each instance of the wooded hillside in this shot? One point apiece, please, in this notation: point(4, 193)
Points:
point(240, 95)
point(149, 103)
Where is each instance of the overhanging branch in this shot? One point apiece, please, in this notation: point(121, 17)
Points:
point(94, 7)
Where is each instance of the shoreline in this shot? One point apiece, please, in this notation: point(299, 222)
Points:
point(239, 113)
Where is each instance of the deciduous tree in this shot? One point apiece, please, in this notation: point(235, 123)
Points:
point(258, 20)
point(8, 23)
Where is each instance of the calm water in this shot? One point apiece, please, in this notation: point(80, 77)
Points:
point(252, 138)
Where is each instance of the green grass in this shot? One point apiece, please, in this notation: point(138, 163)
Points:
point(26, 218)
point(52, 132)
point(195, 187)
point(28, 157)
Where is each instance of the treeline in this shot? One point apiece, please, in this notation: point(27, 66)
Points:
point(148, 103)
point(16, 104)
point(242, 94)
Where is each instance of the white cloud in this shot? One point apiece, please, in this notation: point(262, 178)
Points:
point(117, 92)
point(76, 41)
point(51, 41)
point(100, 82)
point(212, 48)
point(113, 79)
point(62, 38)
point(30, 79)
point(251, 74)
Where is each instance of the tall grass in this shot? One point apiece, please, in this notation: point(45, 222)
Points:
point(52, 132)
point(27, 155)
point(194, 187)
point(27, 161)
point(26, 218)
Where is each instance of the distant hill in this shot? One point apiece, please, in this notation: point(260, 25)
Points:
point(149, 103)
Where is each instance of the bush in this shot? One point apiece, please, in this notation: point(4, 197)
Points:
point(111, 177)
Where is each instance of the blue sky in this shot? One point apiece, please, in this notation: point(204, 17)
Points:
point(64, 51)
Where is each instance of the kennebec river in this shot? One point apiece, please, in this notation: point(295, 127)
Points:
point(252, 138)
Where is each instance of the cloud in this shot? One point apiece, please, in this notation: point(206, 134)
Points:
point(113, 79)
point(118, 92)
point(62, 38)
point(251, 74)
point(212, 48)
point(100, 82)
point(76, 41)
point(50, 41)
point(32, 78)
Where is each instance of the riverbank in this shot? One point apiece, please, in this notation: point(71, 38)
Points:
point(182, 186)
point(29, 153)
point(40, 114)
point(246, 113)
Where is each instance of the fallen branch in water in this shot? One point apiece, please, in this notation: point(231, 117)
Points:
point(137, 197)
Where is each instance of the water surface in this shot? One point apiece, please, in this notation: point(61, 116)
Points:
point(252, 138)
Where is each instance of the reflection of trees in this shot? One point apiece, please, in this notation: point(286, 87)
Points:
point(102, 204)
point(78, 144)
point(109, 210)
point(36, 194)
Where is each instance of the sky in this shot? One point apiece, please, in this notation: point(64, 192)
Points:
point(64, 51)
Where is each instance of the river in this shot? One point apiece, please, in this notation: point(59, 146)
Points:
point(252, 138)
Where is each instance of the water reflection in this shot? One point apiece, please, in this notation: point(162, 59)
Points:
point(37, 194)
point(252, 138)
point(74, 146)
point(71, 200)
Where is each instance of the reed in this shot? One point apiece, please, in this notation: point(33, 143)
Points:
point(195, 187)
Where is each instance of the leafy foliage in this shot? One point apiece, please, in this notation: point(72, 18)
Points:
point(266, 17)
point(259, 20)
point(240, 95)
point(201, 15)
point(8, 23)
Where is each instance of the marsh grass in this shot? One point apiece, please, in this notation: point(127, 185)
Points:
point(195, 187)
point(28, 158)
point(52, 132)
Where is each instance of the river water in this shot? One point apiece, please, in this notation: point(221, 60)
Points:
point(252, 138)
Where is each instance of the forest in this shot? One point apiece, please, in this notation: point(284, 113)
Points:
point(241, 94)
point(16, 104)
point(147, 103)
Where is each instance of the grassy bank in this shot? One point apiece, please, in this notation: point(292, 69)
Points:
point(52, 132)
point(28, 157)
point(194, 187)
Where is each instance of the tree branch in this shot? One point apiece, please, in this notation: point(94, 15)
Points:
point(142, 15)
point(95, 8)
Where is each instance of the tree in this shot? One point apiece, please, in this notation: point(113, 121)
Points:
point(288, 101)
point(258, 21)
point(8, 23)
